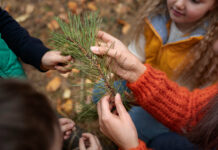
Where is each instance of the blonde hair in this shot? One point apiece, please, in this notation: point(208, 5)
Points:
point(202, 67)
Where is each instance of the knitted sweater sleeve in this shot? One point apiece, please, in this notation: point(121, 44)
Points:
point(141, 146)
point(169, 103)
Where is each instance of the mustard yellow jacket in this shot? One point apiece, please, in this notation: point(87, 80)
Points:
point(167, 56)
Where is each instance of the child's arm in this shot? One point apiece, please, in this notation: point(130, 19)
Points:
point(29, 49)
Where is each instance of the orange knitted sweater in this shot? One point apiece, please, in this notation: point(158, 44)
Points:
point(169, 103)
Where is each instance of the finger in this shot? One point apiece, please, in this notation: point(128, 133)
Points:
point(63, 121)
point(119, 105)
point(62, 69)
point(90, 137)
point(62, 59)
point(97, 140)
point(66, 137)
point(105, 36)
point(82, 144)
point(99, 110)
point(100, 50)
point(68, 66)
point(105, 108)
point(67, 133)
point(67, 127)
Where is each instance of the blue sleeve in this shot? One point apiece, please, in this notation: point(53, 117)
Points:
point(28, 48)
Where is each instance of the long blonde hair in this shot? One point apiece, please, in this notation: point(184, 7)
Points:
point(202, 67)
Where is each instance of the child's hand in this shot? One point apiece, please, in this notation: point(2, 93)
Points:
point(89, 142)
point(55, 61)
point(67, 126)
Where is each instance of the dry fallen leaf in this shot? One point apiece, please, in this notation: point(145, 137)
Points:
point(75, 70)
point(65, 75)
point(22, 18)
point(67, 106)
point(92, 6)
point(64, 17)
point(53, 85)
point(66, 94)
point(7, 8)
point(126, 26)
point(53, 25)
point(58, 108)
point(30, 8)
point(72, 6)
point(121, 9)
point(88, 81)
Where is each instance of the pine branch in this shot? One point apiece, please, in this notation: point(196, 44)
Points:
point(76, 38)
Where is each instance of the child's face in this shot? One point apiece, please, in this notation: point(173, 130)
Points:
point(188, 11)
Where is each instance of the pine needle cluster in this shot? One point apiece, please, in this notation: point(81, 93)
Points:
point(76, 38)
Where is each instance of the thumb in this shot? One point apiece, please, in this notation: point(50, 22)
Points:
point(82, 144)
point(119, 105)
point(102, 50)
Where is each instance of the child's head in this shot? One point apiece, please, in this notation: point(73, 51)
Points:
point(27, 121)
point(187, 12)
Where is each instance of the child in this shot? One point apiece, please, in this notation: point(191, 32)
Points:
point(29, 49)
point(175, 36)
point(10, 65)
point(29, 122)
point(178, 108)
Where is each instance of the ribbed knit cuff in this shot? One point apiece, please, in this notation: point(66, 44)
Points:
point(141, 146)
point(150, 79)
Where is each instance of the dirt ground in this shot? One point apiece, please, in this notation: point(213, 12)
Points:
point(37, 16)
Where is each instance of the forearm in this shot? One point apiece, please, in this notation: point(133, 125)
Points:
point(169, 103)
point(29, 49)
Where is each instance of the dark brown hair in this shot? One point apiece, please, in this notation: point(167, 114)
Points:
point(27, 121)
point(205, 133)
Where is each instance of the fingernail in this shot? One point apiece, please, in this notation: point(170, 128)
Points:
point(94, 49)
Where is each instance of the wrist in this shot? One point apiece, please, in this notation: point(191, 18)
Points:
point(140, 69)
point(43, 68)
point(133, 144)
